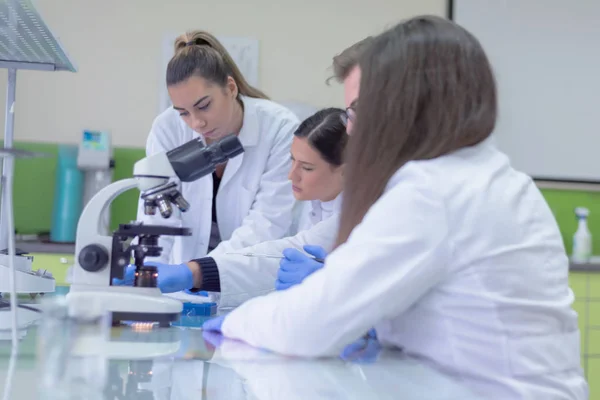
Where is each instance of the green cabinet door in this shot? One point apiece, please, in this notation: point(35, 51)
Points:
point(586, 287)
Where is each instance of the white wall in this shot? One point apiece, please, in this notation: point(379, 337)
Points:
point(116, 45)
point(546, 56)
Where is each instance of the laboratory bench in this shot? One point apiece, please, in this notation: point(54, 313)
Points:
point(182, 363)
point(584, 280)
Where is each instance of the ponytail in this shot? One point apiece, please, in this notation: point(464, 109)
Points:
point(200, 53)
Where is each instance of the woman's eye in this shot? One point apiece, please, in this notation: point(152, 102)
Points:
point(307, 169)
point(204, 107)
point(184, 114)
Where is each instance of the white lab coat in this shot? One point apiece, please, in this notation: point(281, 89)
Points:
point(243, 277)
point(254, 202)
point(459, 262)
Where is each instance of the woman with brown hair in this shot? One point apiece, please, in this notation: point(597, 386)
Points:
point(443, 248)
point(246, 201)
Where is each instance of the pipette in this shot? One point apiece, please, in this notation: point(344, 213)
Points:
point(317, 259)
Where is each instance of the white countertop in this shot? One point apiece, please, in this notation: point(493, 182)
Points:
point(178, 363)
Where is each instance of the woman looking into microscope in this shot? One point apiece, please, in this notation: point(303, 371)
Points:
point(246, 201)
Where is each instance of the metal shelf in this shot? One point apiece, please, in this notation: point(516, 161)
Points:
point(25, 43)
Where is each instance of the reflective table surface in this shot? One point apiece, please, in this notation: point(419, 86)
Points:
point(145, 362)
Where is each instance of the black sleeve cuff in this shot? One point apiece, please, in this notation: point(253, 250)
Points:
point(210, 275)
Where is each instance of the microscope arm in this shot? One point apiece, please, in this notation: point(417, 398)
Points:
point(90, 220)
point(89, 232)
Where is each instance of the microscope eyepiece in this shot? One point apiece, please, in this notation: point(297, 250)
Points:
point(227, 148)
point(190, 161)
point(193, 160)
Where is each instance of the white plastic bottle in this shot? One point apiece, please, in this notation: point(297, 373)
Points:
point(582, 240)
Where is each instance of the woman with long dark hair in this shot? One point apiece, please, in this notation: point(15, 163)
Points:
point(443, 248)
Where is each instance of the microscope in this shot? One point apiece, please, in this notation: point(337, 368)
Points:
point(100, 257)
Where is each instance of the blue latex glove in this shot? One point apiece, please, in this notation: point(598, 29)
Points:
point(372, 334)
point(215, 339)
point(364, 350)
point(200, 293)
point(171, 278)
point(296, 266)
point(214, 324)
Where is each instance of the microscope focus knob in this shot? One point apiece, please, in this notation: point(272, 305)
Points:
point(93, 258)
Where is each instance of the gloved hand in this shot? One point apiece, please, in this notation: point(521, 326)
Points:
point(364, 350)
point(296, 266)
point(214, 324)
point(171, 278)
point(215, 339)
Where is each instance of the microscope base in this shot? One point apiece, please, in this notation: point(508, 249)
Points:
point(128, 343)
point(128, 303)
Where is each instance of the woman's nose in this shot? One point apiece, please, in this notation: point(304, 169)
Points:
point(293, 175)
point(198, 123)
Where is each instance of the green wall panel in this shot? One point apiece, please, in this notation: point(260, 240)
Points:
point(34, 188)
point(563, 203)
point(35, 180)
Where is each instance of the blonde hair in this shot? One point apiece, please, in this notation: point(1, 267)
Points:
point(200, 53)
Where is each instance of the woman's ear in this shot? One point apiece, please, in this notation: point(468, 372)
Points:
point(232, 87)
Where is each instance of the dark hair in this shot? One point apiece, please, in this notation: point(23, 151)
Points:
point(344, 62)
point(427, 89)
point(200, 53)
point(326, 133)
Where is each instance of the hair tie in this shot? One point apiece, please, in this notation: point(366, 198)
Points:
point(198, 41)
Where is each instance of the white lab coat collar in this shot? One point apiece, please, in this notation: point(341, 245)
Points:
point(322, 210)
point(249, 134)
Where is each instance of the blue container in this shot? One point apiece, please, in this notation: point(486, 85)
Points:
point(196, 314)
point(68, 196)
